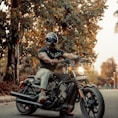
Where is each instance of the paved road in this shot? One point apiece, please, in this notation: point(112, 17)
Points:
point(8, 110)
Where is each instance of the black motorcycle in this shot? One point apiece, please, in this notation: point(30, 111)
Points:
point(63, 92)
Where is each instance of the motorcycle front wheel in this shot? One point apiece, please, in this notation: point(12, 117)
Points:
point(25, 109)
point(94, 106)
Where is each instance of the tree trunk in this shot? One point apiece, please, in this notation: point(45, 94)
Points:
point(12, 63)
point(12, 48)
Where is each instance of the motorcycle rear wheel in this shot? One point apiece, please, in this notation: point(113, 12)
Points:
point(25, 109)
point(95, 103)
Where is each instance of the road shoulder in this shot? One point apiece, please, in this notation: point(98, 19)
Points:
point(7, 98)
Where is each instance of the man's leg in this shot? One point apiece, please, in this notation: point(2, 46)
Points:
point(44, 75)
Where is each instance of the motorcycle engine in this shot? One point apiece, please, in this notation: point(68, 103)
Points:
point(51, 86)
point(56, 94)
point(62, 94)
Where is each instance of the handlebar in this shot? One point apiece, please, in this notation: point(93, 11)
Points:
point(76, 60)
point(66, 60)
point(85, 60)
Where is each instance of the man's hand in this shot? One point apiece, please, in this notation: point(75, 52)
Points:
point(53, 61)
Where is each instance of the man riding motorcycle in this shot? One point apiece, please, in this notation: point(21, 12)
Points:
point(63, 90)
point(49, 56)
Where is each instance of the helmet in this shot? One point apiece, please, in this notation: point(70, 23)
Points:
point(52, 38)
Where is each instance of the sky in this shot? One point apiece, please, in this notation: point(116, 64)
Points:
point(107, 43)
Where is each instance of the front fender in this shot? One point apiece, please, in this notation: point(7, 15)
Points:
point(90, 85)
point(86, 86)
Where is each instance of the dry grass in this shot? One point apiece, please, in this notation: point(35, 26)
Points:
point(7, 87)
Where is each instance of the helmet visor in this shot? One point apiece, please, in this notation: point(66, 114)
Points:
point(51, 40)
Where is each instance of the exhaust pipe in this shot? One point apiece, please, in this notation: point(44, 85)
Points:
point(28, 102)
point(23, 96)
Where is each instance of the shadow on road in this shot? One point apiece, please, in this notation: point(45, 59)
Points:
point(42, 115)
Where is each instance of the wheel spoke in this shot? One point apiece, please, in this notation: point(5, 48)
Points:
point(94, 116)
point(91, 113)
point(93, 105)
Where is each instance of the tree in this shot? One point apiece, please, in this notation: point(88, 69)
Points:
point(116, 15)
point(107, 68)
point(9, 30)
point(93, 77)
point(108, 71)
point(74, 21)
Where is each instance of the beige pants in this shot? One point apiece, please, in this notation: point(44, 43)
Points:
point(43, 74)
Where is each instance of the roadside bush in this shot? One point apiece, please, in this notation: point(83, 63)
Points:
point(7, 87)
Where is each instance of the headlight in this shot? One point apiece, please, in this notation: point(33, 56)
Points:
point(80, 70)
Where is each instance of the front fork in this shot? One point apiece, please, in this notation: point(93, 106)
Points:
point(82, 96)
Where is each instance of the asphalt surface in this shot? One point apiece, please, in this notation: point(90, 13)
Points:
point(110, 97)
point(9, 98)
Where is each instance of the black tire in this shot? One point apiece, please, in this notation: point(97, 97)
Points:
point(25, 109)
point(95, 103)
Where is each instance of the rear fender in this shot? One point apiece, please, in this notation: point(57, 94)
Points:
point(22, 84)
point(26, 81)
